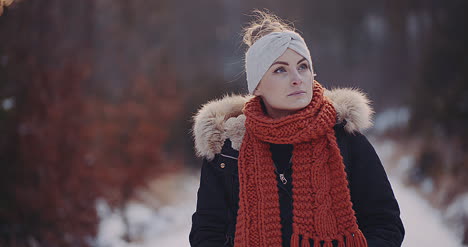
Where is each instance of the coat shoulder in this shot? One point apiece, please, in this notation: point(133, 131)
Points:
point(222, 119)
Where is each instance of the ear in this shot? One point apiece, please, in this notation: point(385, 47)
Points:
point(257, 91)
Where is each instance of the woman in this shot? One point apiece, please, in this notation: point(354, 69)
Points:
point(287, 165)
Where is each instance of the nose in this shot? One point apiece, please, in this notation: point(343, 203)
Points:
point(296, 79)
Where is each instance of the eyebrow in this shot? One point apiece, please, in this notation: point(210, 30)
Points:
point(281, 62)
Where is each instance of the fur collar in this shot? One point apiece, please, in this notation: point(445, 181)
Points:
point(222, 118)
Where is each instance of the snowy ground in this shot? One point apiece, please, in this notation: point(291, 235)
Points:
point(423, 224)
point(169, 225)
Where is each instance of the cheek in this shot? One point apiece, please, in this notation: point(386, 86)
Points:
point(269, 86)
point(277, 84)
point(272, 94)
point(277, 91)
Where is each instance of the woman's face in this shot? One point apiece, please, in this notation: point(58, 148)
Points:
point(286, 87)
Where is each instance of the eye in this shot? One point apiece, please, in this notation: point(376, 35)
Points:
point(279, 70)
point(303, 66)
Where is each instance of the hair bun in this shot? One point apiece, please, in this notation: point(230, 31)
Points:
point(263, 24)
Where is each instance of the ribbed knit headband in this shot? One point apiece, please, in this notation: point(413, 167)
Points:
point(263, 53)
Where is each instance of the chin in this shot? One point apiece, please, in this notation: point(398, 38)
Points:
point(296, 107)
point(299, 104)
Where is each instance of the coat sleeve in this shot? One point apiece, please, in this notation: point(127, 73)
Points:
point(210, 218)
point(377, 210)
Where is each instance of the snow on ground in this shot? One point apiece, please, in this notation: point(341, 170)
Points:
point(169, 225)
point(423, 224)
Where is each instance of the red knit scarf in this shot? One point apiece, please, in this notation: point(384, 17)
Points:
point(322, 208)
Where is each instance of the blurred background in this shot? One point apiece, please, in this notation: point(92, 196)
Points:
point(97, 96)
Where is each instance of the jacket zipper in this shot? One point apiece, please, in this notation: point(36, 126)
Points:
point(285, 190)
point(281, 175)
point(283, 178)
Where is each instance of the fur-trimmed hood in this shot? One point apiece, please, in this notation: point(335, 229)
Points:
point(221, 119)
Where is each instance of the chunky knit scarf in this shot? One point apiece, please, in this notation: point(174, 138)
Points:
point(322, 208)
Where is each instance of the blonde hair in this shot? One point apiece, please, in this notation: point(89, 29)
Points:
point(264, 23)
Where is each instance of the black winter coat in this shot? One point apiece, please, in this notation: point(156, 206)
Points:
point(377, 211)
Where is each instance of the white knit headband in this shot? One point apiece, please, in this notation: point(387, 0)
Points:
point(263, 53)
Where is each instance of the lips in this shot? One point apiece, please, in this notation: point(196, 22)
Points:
point(297, 93)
